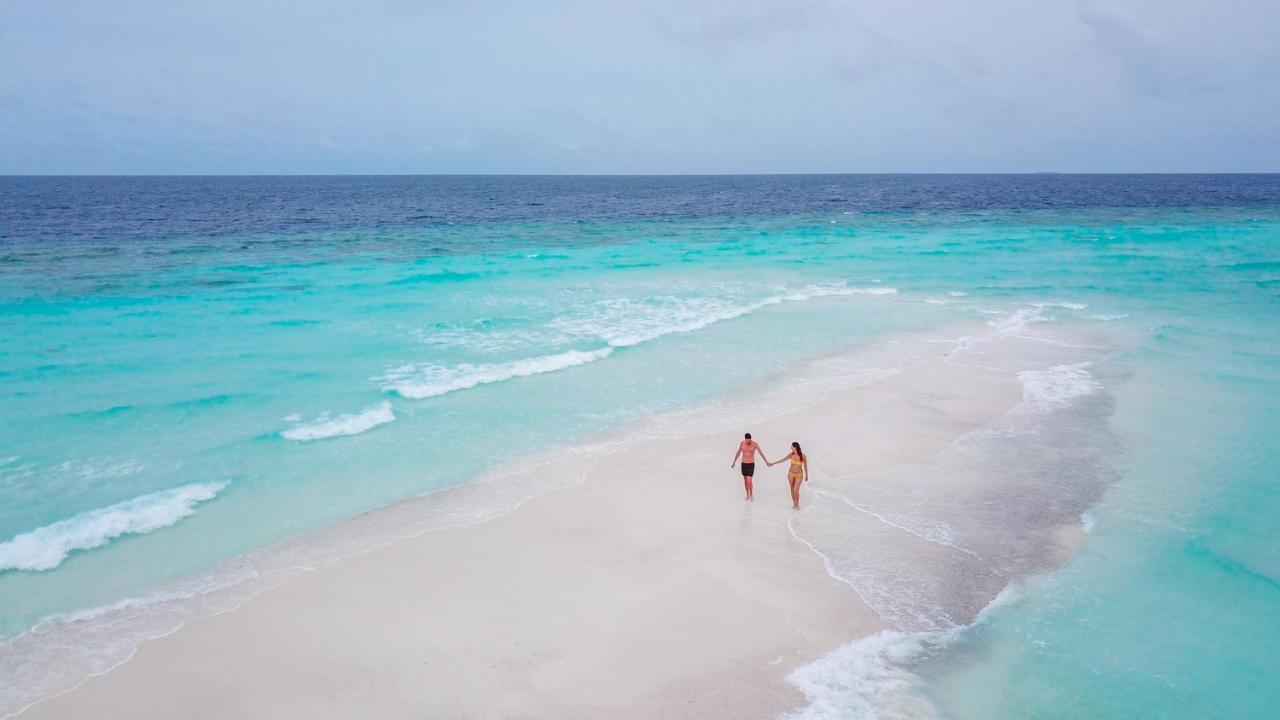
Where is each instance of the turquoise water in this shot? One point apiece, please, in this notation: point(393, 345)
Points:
point(304, 391)
point(1172, 609)
point(170, 402)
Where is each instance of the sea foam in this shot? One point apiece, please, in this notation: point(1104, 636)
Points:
point(875, 677)
point(619, 324)
point(45, 548)
point(1088, 521)
point(626, 322)
point(1057, 386)
point(1063, 305)
point(634, 328)
point(352, 424)
point(425, 380)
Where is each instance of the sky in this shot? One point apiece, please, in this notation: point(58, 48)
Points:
point(639, 86)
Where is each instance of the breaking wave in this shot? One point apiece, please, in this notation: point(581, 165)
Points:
point(45, 548)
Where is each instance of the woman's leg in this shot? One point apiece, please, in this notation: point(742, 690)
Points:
point(795, 490)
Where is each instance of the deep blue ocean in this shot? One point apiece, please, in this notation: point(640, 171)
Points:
point(194, 368)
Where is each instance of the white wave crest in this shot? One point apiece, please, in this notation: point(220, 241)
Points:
point(1088, 521)
point(45, 548)
point(426, 381)
point(870, 678)
point(1005, 324)
point(625, 323)
point(875, 677)
point(352, 424)
point(619, 323)
point(683, 319)
point(816, 291)
point(89, 471)
point(1057, 386)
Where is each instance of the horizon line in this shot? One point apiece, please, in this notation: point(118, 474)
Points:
point(625, 175)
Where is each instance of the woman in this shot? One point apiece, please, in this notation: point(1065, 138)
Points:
point(797, 473)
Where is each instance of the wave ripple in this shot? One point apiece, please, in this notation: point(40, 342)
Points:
point(352, 424)
point(425, 381)
point(45, 548)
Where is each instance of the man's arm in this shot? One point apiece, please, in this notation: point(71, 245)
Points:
point(736, 456)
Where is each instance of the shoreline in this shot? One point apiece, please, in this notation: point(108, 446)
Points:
point(799, 574)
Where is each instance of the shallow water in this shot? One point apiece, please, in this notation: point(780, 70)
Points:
point(195, 368)
point(1172, 609)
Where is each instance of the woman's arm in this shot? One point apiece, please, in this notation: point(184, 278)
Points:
point(806, 468)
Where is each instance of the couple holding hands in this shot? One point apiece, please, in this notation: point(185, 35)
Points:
point(796, 474)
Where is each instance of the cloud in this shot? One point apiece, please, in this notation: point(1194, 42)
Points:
point(1148, 68)
point(329, 143)
point(708, 26)
point(637, 86)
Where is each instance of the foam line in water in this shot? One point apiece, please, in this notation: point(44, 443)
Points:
point(673, 315)
point(932, 534)
point(836, 290)
point(45, 548)
point(421, 381)
point(1057, 386)
point(1006, 324)
point(874, 677)
point(1088, 521)
point(692, 322)
point(352, 424)
point(425, 381)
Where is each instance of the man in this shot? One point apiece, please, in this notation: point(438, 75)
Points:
point(747, 450)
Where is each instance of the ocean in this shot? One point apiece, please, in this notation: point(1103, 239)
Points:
point(195, 369)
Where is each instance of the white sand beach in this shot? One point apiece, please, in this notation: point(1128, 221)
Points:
point(650, 589)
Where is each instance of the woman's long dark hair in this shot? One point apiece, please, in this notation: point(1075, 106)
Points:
point(796, 445)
